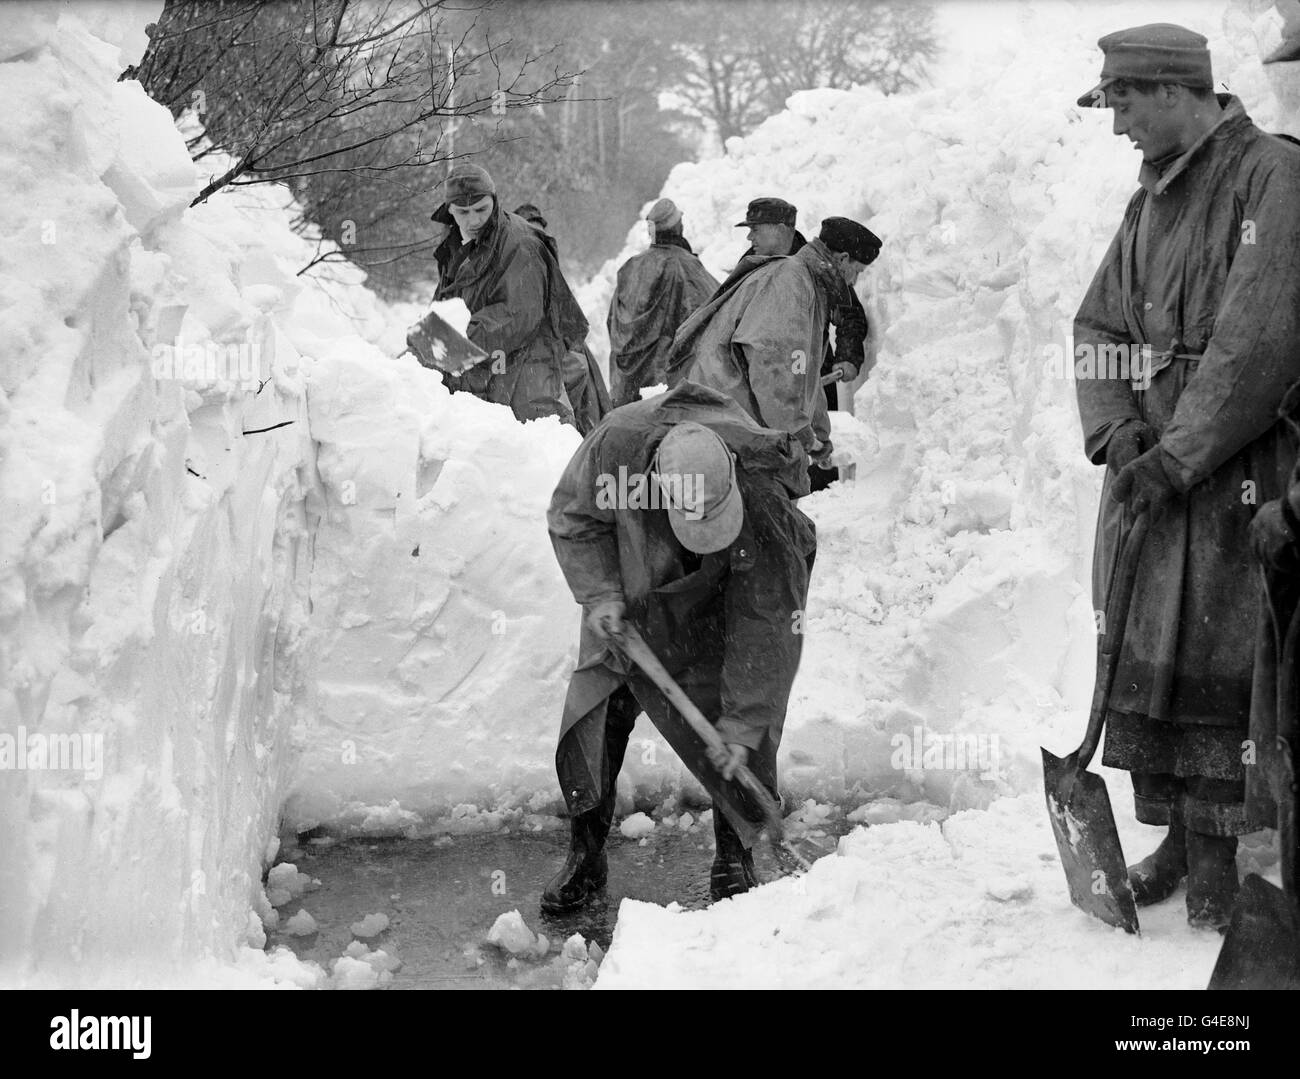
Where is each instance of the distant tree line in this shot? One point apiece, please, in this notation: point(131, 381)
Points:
point(579, 106)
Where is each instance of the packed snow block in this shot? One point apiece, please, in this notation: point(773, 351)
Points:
point(152, 174)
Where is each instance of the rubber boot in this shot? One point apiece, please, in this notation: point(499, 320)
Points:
point(733, 865)
point(1158, 875)
point(585, 870)
point(1211, 879)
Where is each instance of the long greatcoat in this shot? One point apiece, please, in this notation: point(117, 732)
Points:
point(1210, 281)
point(655, 293)
point(521, 312)
point(729, 621)
point(762, 342)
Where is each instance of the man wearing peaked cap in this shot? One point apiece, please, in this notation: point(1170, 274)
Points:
point(677, 515)
point(763, 337)
point(1160, 52)
point(1185, 345)
point(654, 293)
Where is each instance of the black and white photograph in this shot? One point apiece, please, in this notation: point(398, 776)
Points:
point(650, 494)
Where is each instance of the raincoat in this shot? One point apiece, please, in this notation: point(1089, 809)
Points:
point(762, 342)
point(521, 313)
point(654, 294)
point(726, 625)
point(1203, 271)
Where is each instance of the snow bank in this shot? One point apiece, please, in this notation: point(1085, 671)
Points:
point(211, 466)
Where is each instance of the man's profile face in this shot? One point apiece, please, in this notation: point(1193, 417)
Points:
point(769, 239)
point(473, 217)
point(1146, 119)
point(849, 269)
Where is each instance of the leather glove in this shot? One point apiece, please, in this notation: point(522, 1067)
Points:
point(1129, 441)
point(1143, 483)
point(1273, 538)
point(821, 457)
point(606, 618)
point(848, 372)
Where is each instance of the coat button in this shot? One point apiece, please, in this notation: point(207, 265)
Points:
point(1147, 306)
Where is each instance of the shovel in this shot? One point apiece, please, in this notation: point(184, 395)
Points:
point(439, 346)
point(1262, 947)
point(1077, 802)
point(633, 646)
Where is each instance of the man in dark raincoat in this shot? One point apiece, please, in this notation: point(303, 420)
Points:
point(654, 294)
point(583, 383)
point(713, 574)
point(1203, 274)
point(1275, 537)
point(771, 225)
point(521, 310)
point(762, 341)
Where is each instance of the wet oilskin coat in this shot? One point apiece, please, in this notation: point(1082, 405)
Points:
point(1268, 782)
point(846, 315)
point(762, 342)
point(724, 624)
point(655, 293)
point(1222, 295)
point(521, 308)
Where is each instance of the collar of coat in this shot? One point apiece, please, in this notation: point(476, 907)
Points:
point(1156, 176)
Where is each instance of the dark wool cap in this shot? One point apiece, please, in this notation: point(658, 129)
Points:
point(768, 212)
point(1159, 52)
point(857, 241)
point(530, 213)
point(467, 183)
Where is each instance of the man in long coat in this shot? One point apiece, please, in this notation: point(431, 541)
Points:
point(583, 382)
point(713, 576)
point(762, 342)
point(521, 310)
point(1197, 299)
point(654, 294)
point(771, 225)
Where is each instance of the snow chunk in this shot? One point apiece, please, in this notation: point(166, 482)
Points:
point(301, 924)
point(636, 826)
point(369, 926)
point(511, 934)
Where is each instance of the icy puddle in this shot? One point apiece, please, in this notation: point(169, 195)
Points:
point(441, 897)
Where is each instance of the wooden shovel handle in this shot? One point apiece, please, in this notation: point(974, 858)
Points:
point(1118, 600)
point(632, 645)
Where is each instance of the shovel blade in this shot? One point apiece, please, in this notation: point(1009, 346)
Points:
point(1262, 948)
point(440, 346)
point(1084, 825)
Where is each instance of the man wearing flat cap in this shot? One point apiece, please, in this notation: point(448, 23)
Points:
point(677, 515)
point(1197, 299)
point(763, 339)
point(653, 295)
point(772, 231)
point(522, 312)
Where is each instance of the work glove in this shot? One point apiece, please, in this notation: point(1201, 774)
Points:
point(1143, 482)
point(1273, 538)
point(1129, 441)
point(822, 456)
point(606, 618)
point(847, 371)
